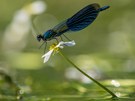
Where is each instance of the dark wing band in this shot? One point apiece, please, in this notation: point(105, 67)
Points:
point(83, 18)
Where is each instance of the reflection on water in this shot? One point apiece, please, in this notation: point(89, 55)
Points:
point(78, 92)
point(115, 83)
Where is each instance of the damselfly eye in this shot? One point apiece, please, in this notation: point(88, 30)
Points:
point(39, 37)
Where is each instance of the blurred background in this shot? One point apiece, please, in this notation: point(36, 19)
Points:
point(105, 49)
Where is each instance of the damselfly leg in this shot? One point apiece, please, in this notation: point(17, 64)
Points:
point(45, 47)
point(66, 37)
point(42, 45)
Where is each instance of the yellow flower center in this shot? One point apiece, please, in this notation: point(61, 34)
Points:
point(53, 46)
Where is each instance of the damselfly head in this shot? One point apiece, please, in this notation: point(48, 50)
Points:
point(39, 37)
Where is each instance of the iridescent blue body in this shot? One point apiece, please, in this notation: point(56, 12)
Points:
point(77, 22)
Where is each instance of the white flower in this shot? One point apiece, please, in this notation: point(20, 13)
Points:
point(53, 48)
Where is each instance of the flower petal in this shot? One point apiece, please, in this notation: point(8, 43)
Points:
point(70, 43)
point(61, 45)
point(47, 55)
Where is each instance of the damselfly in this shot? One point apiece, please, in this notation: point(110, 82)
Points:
point(77, 22)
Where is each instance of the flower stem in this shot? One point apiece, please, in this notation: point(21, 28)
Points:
point(106, 89)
